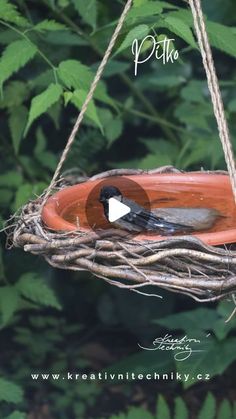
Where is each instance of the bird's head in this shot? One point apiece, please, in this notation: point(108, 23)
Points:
point(108, 192)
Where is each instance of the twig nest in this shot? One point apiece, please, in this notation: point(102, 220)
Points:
point(186, 264)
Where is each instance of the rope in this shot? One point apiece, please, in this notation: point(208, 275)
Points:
point(87, 100)
point(213, 85)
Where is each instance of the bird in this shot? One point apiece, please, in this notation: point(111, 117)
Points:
point(164, 221)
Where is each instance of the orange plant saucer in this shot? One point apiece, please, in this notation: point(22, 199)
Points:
point(63, 210)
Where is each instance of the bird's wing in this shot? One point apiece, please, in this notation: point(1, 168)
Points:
point(198, 218)
point(148, 221)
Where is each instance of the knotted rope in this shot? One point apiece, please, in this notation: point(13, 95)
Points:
point(213, 85)
point(87, 100)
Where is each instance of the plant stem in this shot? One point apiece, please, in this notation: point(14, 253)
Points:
point(165, 125)
point(156, 119)
point(23, 35)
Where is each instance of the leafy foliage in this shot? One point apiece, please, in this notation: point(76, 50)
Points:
point(31, 286)
point(10, 392)
point(206, 323)
point(87, 10)
point(15, 56)
point(207, 410)
point(16, 415)
point(9, 300)
point(9, 13)
point(42, 102)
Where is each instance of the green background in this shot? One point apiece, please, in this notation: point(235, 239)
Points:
point(56, 321)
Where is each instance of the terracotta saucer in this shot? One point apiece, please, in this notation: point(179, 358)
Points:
point(66, 210)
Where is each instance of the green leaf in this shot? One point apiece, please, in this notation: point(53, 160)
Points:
point(143, 362)
point(199, 319)
point(78, 76)
point(114, 130)
point(28, 191)
point(78, 100)
point(17, 121)
point(31, 286)
point(8, 36)
point(55, 112)
point(225, 410)
point(220, 328)
point(87, 10)
point(166, 5)
point(180, 28)
point(138, 3)
point(23, 194)
point(195, 115)
point(162, 410)
point(16, 415)
point(232, 105)
point(112, 126)
point(49, 25)
point(150, 8)
point(41, 103)
point(15, 93)
point(234, 411)
point(74, 74)
point(151, 161)
point(222, 37)
point(43, 79)
point(10, 392)
point(208, 409)
point(11, 179)
point(139, 32)
point(9, 302)
point(213, 360)
point(114, 67)
point(194, 91)
point(47, 159)
point(181, 411)
point(138, 413)
point(15, 56)
point(6, 197)
point(161, 153)
point(66, 38)
point(9, 13)
point(41, 142)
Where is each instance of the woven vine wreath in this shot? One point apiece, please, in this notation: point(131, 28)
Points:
point(182, 264)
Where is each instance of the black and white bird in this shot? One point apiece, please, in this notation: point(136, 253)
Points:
point(163, 221)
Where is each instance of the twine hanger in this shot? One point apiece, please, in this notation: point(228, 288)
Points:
point(213, 85)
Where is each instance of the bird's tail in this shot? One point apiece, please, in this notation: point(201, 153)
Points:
point(172, 228)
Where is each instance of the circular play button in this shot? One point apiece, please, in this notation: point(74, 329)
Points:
point(111, 202)
point(116, 210)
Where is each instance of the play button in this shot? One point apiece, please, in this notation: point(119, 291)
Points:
point(116, 209)
point(96, 219)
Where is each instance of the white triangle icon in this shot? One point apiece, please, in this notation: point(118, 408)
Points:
point(116, 209)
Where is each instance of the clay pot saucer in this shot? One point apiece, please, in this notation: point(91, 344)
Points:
point(66, 209)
